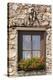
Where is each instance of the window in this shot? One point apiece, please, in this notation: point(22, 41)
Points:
point(31, 44)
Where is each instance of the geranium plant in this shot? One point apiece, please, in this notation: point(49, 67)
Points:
point(32, 64)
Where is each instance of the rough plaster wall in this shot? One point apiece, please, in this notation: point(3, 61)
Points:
point(18, 16)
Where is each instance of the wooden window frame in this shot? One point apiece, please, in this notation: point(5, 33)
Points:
point(20, 33)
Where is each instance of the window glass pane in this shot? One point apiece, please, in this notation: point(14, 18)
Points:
point(26, 42)
point(36, 42)
point(36, 53)
point(26, 54)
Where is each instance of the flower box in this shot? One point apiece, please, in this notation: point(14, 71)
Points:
point(32, 64)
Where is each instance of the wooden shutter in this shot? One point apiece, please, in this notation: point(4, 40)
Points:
point(42, 43)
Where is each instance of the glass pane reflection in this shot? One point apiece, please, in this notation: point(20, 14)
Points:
point(36, 53)
point(36, 42)
point(26, 42)
point(26, 54)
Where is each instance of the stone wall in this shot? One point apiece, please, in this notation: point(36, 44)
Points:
point(19, 16)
